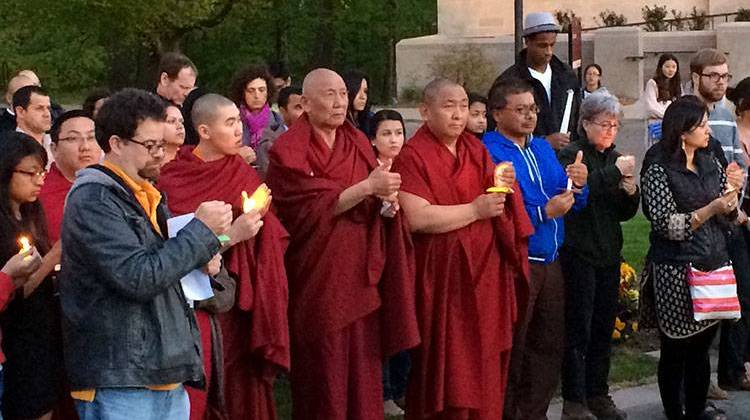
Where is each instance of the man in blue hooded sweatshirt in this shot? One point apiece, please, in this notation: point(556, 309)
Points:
point(548, 195)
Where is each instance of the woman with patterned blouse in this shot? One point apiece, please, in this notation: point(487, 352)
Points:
point(685, 196)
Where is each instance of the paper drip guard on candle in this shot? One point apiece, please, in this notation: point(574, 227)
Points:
point(499, 186)
point(258, 201)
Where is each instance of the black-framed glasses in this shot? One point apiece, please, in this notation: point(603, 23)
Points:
point(32, 174)
point(151, 148)
point(715, 77)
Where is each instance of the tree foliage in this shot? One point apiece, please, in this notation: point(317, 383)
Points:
point(78, 44)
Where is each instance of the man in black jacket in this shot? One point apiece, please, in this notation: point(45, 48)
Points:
point(552, 79)
point(131, 339)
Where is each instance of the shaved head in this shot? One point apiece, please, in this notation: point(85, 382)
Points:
point(207, 108)
point(445, 109)
point(31, 75)
point(317, 78)
point(324, 98)
point(17, 82)
point(433, 89)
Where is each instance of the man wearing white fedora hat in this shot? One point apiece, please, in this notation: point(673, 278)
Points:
point(552, 79)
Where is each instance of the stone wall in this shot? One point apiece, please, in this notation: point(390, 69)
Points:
point(495, 17)
point(628, 56)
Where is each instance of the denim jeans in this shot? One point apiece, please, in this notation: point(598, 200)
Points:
point(135, 403)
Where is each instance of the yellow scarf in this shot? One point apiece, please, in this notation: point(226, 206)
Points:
point(146, 194)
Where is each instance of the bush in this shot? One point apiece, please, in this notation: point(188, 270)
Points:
point(654, 18)
point(610, 18)
point(467, 67)
point(564, 18)
point(743, 15)
point(698, 20)
point(679, 21)
point(410, 95)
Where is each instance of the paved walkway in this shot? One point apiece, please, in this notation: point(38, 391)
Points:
point(643, 403)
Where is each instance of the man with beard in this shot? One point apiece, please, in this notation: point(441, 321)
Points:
point(246, 345)
point(349, 261)
point(709, 72)
point(131, 339)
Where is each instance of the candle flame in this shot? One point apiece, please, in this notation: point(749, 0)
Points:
point(25, 244)
point(258, 201)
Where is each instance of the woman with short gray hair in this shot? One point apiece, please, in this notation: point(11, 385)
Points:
point(591, 257)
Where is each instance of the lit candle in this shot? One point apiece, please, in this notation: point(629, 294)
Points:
point(25, 244)
point(258, 201)
point(500, 186)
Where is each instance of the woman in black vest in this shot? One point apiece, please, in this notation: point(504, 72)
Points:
point(684, 198)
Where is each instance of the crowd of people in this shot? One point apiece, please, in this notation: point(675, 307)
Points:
point(170, 254)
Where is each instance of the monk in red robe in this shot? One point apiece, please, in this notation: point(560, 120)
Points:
point(254, 333)
point(471, 263)
point(350, 266)
point(73, 147)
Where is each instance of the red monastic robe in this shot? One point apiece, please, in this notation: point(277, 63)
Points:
point(255, 336)
point(52, 197)
point(470, 284)
point(351, 276)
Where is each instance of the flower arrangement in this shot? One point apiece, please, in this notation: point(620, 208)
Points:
point(626, 323)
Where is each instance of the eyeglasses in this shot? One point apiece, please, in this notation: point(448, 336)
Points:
point(606, 125)
point(525, 110)
point(151, 147)
point(715, 77)
point(32, 174)
point(79, 139)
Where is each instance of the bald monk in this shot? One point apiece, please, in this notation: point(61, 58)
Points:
point(471, 250)
point(350, 266)
point(253, 346)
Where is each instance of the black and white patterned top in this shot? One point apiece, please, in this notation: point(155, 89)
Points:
point(664, 288)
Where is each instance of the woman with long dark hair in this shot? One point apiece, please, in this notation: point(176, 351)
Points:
point(661, 90)
point(32, 371)
point(687, 200)
point(592, 78)
point(358, 112)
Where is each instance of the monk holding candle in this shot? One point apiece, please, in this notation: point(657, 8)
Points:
point(471, 248)
point(350, 268)
point(255, 334)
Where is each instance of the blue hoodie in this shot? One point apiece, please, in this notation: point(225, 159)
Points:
point(541, 177)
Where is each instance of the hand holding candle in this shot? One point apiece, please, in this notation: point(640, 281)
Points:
point(735, 177)
point(504, 177)
point(259, 201)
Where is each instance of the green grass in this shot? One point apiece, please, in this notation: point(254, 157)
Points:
point(631, 367)
point(635, 241)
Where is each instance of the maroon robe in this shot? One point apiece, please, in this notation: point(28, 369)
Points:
point(470, 283)
point(351, 276)
point(255, 332)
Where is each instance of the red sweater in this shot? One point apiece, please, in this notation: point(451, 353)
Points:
point(6, 293)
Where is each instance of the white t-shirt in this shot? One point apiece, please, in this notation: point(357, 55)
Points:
point(545, 79)
point(46, 142)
